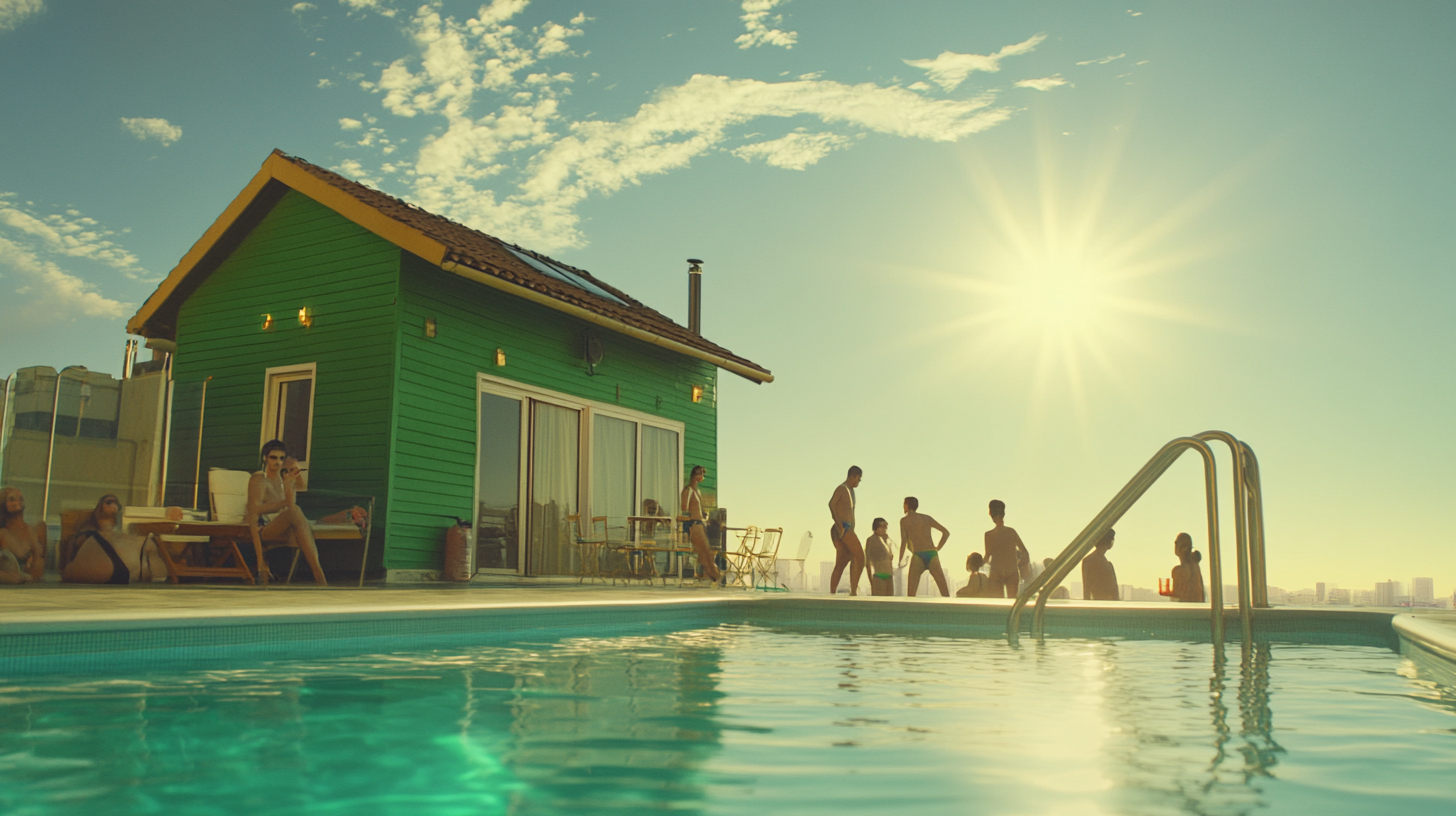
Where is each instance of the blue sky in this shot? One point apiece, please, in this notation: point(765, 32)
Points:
point(990, 251)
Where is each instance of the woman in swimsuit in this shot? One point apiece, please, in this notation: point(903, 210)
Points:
point(882, 562)
point(106, 555)
point(273, 503)
point(1187, 576)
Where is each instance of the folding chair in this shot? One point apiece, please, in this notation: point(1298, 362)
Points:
point(766, 561)
point(588, 548)
point(741, 561)
point(805, 543)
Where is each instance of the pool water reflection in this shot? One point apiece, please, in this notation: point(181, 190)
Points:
point(739, 719)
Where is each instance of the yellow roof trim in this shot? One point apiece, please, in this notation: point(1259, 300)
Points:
point(278, 168)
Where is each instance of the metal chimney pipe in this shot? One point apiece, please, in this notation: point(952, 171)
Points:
point(695, 296)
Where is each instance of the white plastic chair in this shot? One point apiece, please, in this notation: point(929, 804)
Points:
point(806, 541)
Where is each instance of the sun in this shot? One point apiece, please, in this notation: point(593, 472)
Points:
point(1055, 280)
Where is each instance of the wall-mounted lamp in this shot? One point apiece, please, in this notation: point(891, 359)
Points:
point(267, 322)
point(697, 393)
point(429, 327)
point(500, 357)
point(305, 317)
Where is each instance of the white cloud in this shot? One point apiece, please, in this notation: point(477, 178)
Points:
point(159, 129)
point(299, 8)
point(1102, 60)
point(951, 69)
point(30, 246)
point(1135, 13)
point(70, 234)
point(1042, 84)
point(757, 19)
point(376, 6)
point(795, 151)
point(15, 12)
point(326, 83)
point(350, 124)
point(510, 160)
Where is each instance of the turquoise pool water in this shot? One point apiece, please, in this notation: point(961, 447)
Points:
point(740, 719)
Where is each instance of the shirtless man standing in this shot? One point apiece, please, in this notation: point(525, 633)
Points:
point(25, 544)
point(1004, 551)
point(915, 536)
point(847, 549)
point(692, 519)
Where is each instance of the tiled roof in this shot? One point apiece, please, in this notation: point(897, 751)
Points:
point(488, 254)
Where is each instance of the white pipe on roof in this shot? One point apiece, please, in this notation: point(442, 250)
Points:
point(606, 322)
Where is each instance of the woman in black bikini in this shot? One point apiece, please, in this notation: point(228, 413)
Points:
point(105, 554)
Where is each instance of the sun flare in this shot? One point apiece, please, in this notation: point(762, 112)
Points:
point(1055, 281)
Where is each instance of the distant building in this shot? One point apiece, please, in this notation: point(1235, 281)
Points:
point(1319, 592)
point(1422, 591)
point(1337, 596)
point(1304, 597)
point(1362, 597)
point(1385, 593)
point(1145, 594)
point(1277, 595)
point(1124, 592)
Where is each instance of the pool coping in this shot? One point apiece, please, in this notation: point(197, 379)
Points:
point(1434, 634)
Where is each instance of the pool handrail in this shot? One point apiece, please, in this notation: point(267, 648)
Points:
point(1241, 527)
point(1249, 534)
point(1052, 576)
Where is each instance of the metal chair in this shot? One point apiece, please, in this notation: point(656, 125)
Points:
point(741, 562)
point(588, 548)
point(766, 561)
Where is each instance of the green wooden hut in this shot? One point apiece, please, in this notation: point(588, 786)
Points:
point(434, 367)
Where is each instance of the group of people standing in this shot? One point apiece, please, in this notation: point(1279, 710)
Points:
point(1007, 562)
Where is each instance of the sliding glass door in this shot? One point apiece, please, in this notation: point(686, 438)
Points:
point(544, 457)
point(555, 476)
point(498, 483)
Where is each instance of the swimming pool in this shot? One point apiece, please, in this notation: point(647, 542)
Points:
point(745, 718)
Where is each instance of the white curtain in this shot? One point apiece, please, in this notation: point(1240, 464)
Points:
point(614, 472)
point(555, 435)
point(661, 471)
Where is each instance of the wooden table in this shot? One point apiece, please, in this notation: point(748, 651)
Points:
point(218, 555)
point(675, 552)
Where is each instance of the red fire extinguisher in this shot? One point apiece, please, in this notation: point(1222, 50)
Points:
point(457, 551)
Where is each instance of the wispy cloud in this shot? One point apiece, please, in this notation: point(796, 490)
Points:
point(300, 8)
point(1102, 60)
point(761, 25)
point(1042, 84)
point(795, 151)
point(377, 6)
point(159, 129)
point(31, 246)
point(509, 159)
point(15, 12)
point(950, 69)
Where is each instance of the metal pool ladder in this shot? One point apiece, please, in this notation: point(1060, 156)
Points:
point(1248, 523)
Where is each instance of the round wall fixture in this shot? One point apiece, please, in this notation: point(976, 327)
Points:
point(592, 351)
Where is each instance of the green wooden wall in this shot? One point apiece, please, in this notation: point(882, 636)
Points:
point(434, 454)
point(394, 411)
point(301, 254)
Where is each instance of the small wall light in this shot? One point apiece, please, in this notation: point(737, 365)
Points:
point(267, 322)
point(697, 393)
point(429, 327)
point(305, 317)
point(500, 357)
